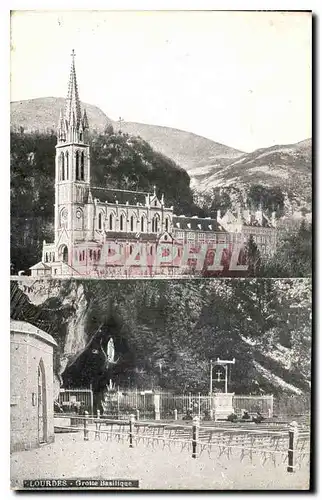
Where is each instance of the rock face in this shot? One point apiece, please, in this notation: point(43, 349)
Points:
point(165, 332)
point(288, 166)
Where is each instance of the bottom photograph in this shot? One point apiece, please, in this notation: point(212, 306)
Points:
point(160, 384)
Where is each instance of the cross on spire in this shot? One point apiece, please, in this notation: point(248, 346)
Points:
point(73, 54)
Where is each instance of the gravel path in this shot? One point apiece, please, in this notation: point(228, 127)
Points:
point(71, 457)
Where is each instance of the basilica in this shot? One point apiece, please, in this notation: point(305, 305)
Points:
point(87, 218)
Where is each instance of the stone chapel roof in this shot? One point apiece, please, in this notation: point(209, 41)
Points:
point(29, 329)
point(40, 265)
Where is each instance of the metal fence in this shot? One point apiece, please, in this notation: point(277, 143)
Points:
point(252, 404)
point(76, 400)
point(124, 402)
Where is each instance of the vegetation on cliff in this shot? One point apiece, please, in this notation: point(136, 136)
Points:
point(165, 332)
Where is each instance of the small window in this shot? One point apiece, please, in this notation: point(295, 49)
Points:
point(82, 166)
point(167, 225)
point(132, 223)
point(121, 223)
point(111, 222)
point(142, 224)
point(66, 166)
point(62, 167)
point(100, 220)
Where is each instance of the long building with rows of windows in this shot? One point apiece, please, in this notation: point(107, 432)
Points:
point(87, 218)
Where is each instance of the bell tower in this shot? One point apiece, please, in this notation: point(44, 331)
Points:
point(72, 169)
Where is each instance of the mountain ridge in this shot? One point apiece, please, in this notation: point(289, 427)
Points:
point(186, 148)
point(209, 164)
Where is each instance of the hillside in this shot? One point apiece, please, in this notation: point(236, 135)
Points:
point(189, 150)
point(186, 149)
point(178, 325)
point(42, 114)
point(288, 167)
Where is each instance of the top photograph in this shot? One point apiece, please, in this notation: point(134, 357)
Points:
point(161, 144)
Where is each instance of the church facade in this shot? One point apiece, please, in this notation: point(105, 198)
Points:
point(105, 232)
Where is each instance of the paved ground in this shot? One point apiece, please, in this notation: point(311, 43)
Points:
point(72, 457)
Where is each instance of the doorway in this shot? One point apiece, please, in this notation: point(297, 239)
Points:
point(65, 254)
point(42, 406)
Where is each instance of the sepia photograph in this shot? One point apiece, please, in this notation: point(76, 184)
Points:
point(176, 384)
point(160, 250)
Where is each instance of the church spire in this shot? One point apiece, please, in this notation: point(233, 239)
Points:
point(73, 108)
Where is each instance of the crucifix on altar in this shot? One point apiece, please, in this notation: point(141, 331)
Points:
point(221, 404)
point(225, 364)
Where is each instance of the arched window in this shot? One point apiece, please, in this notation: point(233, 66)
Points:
point(110, 222)
point(80, 256)
point(121, 222)
point(53, 257)
point(131, 249)
point(100, 220)
point(132, 223)
point(151, 250)
point(46, 257)
point(65, 254)
point(77, 166)
point(81, 136)
point(83, 254)
point(98, 255)
point(66, 166)
point(155, 224)
point(142, 224)
point(62, 167)
point(94, 255)
point(82, 177)
point(167, 225)
point(90, 254)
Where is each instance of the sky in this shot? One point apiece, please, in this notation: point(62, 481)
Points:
point(239, 78)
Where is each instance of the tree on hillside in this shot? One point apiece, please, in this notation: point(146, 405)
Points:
point(270, 198)
point(293, 256)
point(253, 257)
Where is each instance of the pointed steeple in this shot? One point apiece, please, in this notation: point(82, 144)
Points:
point(72, 102)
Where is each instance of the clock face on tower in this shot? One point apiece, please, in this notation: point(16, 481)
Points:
point(78, 213)
point(64, 214)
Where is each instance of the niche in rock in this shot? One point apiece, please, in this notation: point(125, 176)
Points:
point(96, 365)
